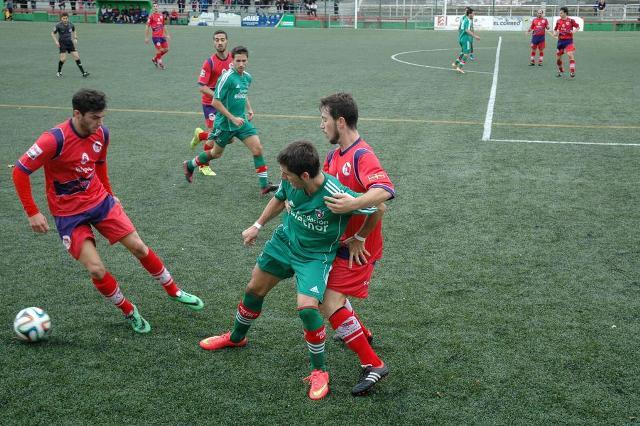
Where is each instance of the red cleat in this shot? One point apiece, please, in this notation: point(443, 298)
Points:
point(220, 342)
point(319, 381)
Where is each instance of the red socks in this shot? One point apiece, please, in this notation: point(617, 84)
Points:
point(349, 329)
point(572, 66)
point(108, 287)
point(202, 136)
point(152, 263)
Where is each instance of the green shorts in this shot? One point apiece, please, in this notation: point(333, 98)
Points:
point(466, 46)
point(311, 274)
point(223, 138)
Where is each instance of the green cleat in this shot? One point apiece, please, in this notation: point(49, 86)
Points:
point(196, 138)
point(193, 302)
point(139, 324)
point(206, 170)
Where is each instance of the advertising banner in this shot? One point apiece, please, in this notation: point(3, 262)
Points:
point(216, 20)
point(493, 23)
point(261, 20)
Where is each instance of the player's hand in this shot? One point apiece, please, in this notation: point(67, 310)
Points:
point(57, 44)
point(116, 199)
point(357, 251)
point(39, 223)
point(478, 38)
point(250, 235)
point(250, 115)
point(340, 203)
point(238, 121)
point(146, 41)
point(167, 36)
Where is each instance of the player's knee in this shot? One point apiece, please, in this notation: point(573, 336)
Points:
point(96, 269)
point(256, 150)
point(256, 288)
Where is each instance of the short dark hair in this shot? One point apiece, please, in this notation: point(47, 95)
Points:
point(564, 9)
point(299, 157)
point(89, 100)
point(341, 105)
point(64, 14)
point(239, 50)
point(220, 32)
point(469, 11)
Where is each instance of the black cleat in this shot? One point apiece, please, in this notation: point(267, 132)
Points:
point(572, 75)
point(539, 64)
point(59, 74)
point(269, 188)
point(559, 74)
point(368, 378)
point(85, 74)
point(532, 64)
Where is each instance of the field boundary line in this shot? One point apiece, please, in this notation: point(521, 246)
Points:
point(370, 119)
point(564, 142)
point(488, 119)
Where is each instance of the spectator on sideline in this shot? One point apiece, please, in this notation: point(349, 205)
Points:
point(173, 17)
point(8, 11)
point(181, 6)
point(52, 4)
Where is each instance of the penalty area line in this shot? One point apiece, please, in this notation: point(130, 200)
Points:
point(488, 119)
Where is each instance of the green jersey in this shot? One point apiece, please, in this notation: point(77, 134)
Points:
point(231, 90)
point(465, 24)
point(310, 228)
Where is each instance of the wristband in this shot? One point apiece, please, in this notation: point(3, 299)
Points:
point(359, 238)
point(257, 225)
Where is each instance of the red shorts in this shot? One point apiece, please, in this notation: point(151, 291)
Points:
point(540, 45)
point(107, 217)
point(352, 282)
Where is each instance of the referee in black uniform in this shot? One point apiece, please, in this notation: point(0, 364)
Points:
point(66, 42)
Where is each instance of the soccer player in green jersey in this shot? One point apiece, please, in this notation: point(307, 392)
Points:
point(465, 38)
point(304, 245)
point(233, 119)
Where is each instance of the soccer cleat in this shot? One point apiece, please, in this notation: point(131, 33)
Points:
point(193, 302)
point(539, 64)
point(155, 62)
point(187, 174)
point(472, 57)
point(220, 342)
point(206, 170)
point(368, 378)
point(572, 75)
point(455, 65)
point(319, 381)
point(139, 324)
point(160, 65)
point(559, 74)
point(85, 74)
point(196, 138)
point(460, 70)
point(532, 64)
point(269, 188)
point(58, 74)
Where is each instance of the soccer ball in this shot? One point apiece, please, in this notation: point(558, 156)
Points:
point(32, 325)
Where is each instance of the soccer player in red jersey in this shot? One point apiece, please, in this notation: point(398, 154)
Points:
point(79, 194)
point(159, 35)
point(357, 167)
point(211, 70)
point(538, 29)
point(564, 29)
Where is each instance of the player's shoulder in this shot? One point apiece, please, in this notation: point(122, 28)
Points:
point(248, 76)
point(332, 185)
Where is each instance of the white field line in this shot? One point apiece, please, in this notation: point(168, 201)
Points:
point(488, 119)
point(565, 142)
point(395, 58)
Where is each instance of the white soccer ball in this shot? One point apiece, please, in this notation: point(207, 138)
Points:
point(32, 325)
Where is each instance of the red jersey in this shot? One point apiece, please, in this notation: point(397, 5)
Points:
point(156, 22)
point(211, 70)
point(358, 168)
point(565, 28)
point(69, 162)
point(538, 26)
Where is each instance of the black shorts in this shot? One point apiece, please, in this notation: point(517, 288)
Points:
point(67, 47)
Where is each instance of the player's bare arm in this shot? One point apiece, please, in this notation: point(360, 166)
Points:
point(249, 110)
point(146, 35)
point(55, 39)
point(205, 90)
point(356, 243)
point(219, 106)
point(344, 203)
point(271, 210)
